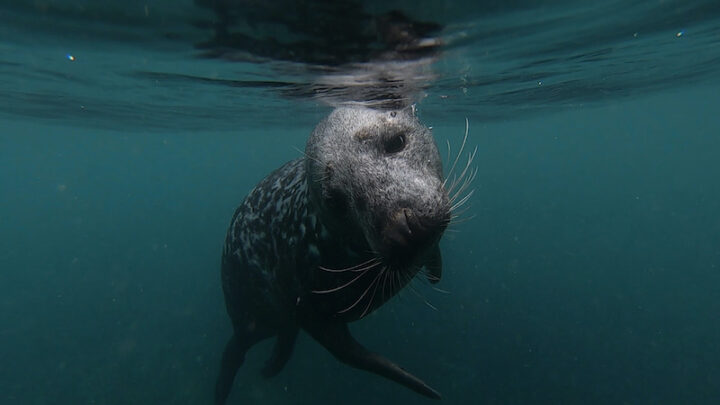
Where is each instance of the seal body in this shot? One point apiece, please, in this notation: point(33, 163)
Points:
point(328, 238)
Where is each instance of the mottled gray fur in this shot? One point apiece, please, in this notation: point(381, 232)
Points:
point(329, 237)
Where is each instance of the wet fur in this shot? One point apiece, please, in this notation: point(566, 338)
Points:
point(308, 248)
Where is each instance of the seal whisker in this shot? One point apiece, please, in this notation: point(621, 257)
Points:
point(462, 148)
point(410, 279)
point(468, 166)
point(457, 213)
point(465, 185)
point(306, 155)
point(372, 297)
point(364, 293)
point(358, 267)
point(384, 282)
point(456, 221)
point(319, 179)
point(440, 290)
point(462, 201)
point(374, 253)
point(448, 150)
point(396, 281)
point(468, 180)
point(342, 286)
point(428, 277)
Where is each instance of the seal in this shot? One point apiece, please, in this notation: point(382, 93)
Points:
point(328, 238)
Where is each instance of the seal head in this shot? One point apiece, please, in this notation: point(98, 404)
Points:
point(377, 177)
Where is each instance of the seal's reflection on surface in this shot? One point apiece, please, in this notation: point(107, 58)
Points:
point(320, 32)
point(349, 55)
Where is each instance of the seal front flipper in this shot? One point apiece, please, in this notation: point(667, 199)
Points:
point(434, 265)
point(281, 352)
point(336, 338)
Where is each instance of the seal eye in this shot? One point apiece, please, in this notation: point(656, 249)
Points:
point(395, 144)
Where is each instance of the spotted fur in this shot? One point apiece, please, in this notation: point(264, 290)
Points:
point(294, 253)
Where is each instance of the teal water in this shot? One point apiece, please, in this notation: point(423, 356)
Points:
point(589, 272)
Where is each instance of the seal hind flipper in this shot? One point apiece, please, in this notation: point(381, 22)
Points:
point(233, 357)
point(336, 338)
point(434, 265)
point(281, 352)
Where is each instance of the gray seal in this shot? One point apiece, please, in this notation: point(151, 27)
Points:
point(328, 238)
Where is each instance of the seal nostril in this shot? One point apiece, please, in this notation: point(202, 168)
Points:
point(424, 226)
point(397, 230)
point(409, 217)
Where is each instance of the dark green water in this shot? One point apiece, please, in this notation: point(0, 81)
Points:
point(588, 274)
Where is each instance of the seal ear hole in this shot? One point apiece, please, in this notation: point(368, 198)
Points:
point(395, 143)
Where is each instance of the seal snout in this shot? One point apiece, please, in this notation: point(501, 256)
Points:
point(397, 231)
point(408, 231)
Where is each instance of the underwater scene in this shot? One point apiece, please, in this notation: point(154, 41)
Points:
point(501, 202)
